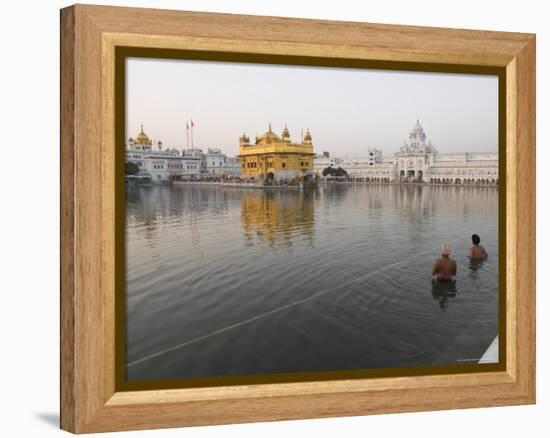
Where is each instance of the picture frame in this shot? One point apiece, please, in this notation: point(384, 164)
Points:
point(91, 398)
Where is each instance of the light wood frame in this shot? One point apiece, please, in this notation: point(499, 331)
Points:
point(89, 35)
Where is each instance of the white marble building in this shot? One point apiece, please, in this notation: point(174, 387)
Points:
point(464, 168)
point(166, 168)
point(374, 167)
point(320, 163)
point(138, 147)
point(218, 164)
point(419, 161)
point(232, 167)
point(166, 165)
point(161, 165)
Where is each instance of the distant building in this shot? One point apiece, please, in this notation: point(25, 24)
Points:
point(137, 148)
point(198, 154)
point(373, 167)
point(166, 165)
point(219, 164)
point(171, 165)
point(418, 161)
point(321, 163)
point(274, 157)
point(232, 167)
point(167, 168)
point(161, 165)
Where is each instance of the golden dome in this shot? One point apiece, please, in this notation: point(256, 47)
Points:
point(268, 137)
point(142, 137)
point(271, 135)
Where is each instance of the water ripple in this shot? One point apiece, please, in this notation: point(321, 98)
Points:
point(201, 259)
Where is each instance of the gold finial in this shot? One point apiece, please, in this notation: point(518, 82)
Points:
point(285, 134)
point(270, 128)
point(307, 137)
point(142, 127)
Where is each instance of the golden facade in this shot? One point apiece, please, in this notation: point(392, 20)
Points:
point(276, 157)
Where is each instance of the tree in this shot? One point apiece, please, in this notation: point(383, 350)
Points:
point(331, 171)
point(341, 172)
point(131, 168)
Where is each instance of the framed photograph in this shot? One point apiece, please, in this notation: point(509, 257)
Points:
point(274, 218)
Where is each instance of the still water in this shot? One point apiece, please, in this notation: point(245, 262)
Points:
point(229, 281)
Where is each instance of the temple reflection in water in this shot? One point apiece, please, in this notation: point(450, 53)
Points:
point(278, 216)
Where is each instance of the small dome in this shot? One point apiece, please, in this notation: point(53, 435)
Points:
point(307, 136)
point(417, 128)
point(417, 133)
point(285, 133)
point(244, 138)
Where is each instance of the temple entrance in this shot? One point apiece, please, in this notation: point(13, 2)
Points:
point(410, 174)
point(419, 176)
point(402, 174)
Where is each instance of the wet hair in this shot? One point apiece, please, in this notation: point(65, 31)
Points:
point(475, 239)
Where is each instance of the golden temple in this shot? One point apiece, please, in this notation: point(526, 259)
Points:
point(276, 157)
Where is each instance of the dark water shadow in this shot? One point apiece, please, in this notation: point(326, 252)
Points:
point(474, 266)
point(442, 291)
point(50, 418)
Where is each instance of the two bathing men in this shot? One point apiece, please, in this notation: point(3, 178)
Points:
point(445, 268)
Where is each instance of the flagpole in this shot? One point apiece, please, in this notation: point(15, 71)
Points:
point(187, 134)
point(192, 142)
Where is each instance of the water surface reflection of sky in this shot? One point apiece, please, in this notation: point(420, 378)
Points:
point(355, 259)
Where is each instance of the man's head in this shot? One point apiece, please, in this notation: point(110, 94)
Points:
point(475, 239)
point(445, 250)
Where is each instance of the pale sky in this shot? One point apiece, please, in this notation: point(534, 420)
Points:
point(346, 110)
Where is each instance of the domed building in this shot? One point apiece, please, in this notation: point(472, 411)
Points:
point(415, 156)
point(142, 142)
point(138, 147)
point(275, 157)
point(418, 161)
point(160, 164)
